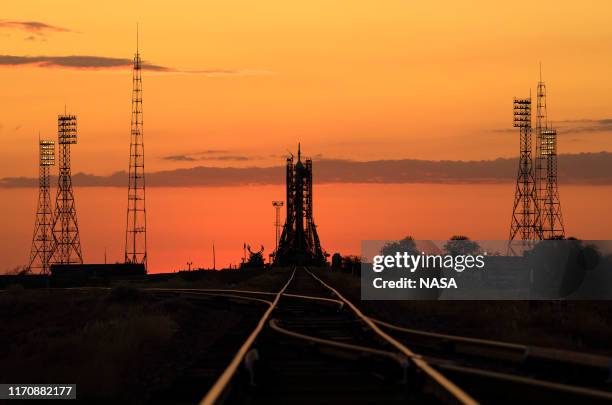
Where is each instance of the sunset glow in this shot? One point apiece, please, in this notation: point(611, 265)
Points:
point(253, 78)
point(240, 83)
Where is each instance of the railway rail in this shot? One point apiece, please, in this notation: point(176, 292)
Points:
point(313, 345)
point(482, 368)
point(319, 348)
point(524, 373)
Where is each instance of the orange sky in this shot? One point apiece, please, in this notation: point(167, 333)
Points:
point(362, 80)
point(184, 222)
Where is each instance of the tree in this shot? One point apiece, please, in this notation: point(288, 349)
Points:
point(351, 264)
point(405, 245)
point(461, 245)
point(336, 262)
point(559, 267)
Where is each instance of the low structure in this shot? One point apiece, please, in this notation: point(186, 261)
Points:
point(83, 273)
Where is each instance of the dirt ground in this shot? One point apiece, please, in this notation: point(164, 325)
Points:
point(123, 343)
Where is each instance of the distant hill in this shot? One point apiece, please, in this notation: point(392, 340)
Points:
point(582, 168)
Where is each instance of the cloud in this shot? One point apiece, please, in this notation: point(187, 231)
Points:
point(567, 127)
point(213, 151)
point(235, 158)
point(504, 130)
point(227, 72)
point(74, 62)
point(584, 126)
point(36, 27)
point(180, 158)
point(38, 30)
point(211, 155)
point(105, 63)
point(582, 168)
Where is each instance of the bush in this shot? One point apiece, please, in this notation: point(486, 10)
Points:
point(125, 294)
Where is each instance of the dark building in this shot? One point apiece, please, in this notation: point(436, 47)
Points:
point(299, 243)
point(74, 274)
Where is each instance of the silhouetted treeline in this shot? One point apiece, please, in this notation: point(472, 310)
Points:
point(348, 264)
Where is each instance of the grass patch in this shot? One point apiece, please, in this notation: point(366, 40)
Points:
point(118, 344)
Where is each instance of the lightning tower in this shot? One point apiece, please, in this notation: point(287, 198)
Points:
point(523, 224)
point(549, 220)
point(66, 242)
point(136, 227)
point(42, 241)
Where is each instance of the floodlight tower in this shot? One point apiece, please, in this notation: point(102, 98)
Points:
point(136, 227)
point(277, 224)
point(551, 218)
point(42, 240)
point(524, 211)
point(66, 240)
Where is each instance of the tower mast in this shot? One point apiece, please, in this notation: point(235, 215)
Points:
point(136, 226)
point(523, 225)
point(537, 208)
point(549, 219)
point(541, 162)
point(42, 240)
point(66, 241)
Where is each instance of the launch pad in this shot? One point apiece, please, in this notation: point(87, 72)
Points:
point(299, 243)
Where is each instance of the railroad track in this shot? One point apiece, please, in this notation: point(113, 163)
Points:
point(525, 374)
point(312, 348)
point(313, 345)
point(545, 373)
point(320, 348)
point(191, 382)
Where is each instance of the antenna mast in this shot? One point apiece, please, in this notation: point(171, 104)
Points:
point(549, 219)
point(136, 227)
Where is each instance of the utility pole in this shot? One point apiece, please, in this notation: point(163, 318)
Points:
point(214, 257)
point(277, 225)
point(244, 253)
